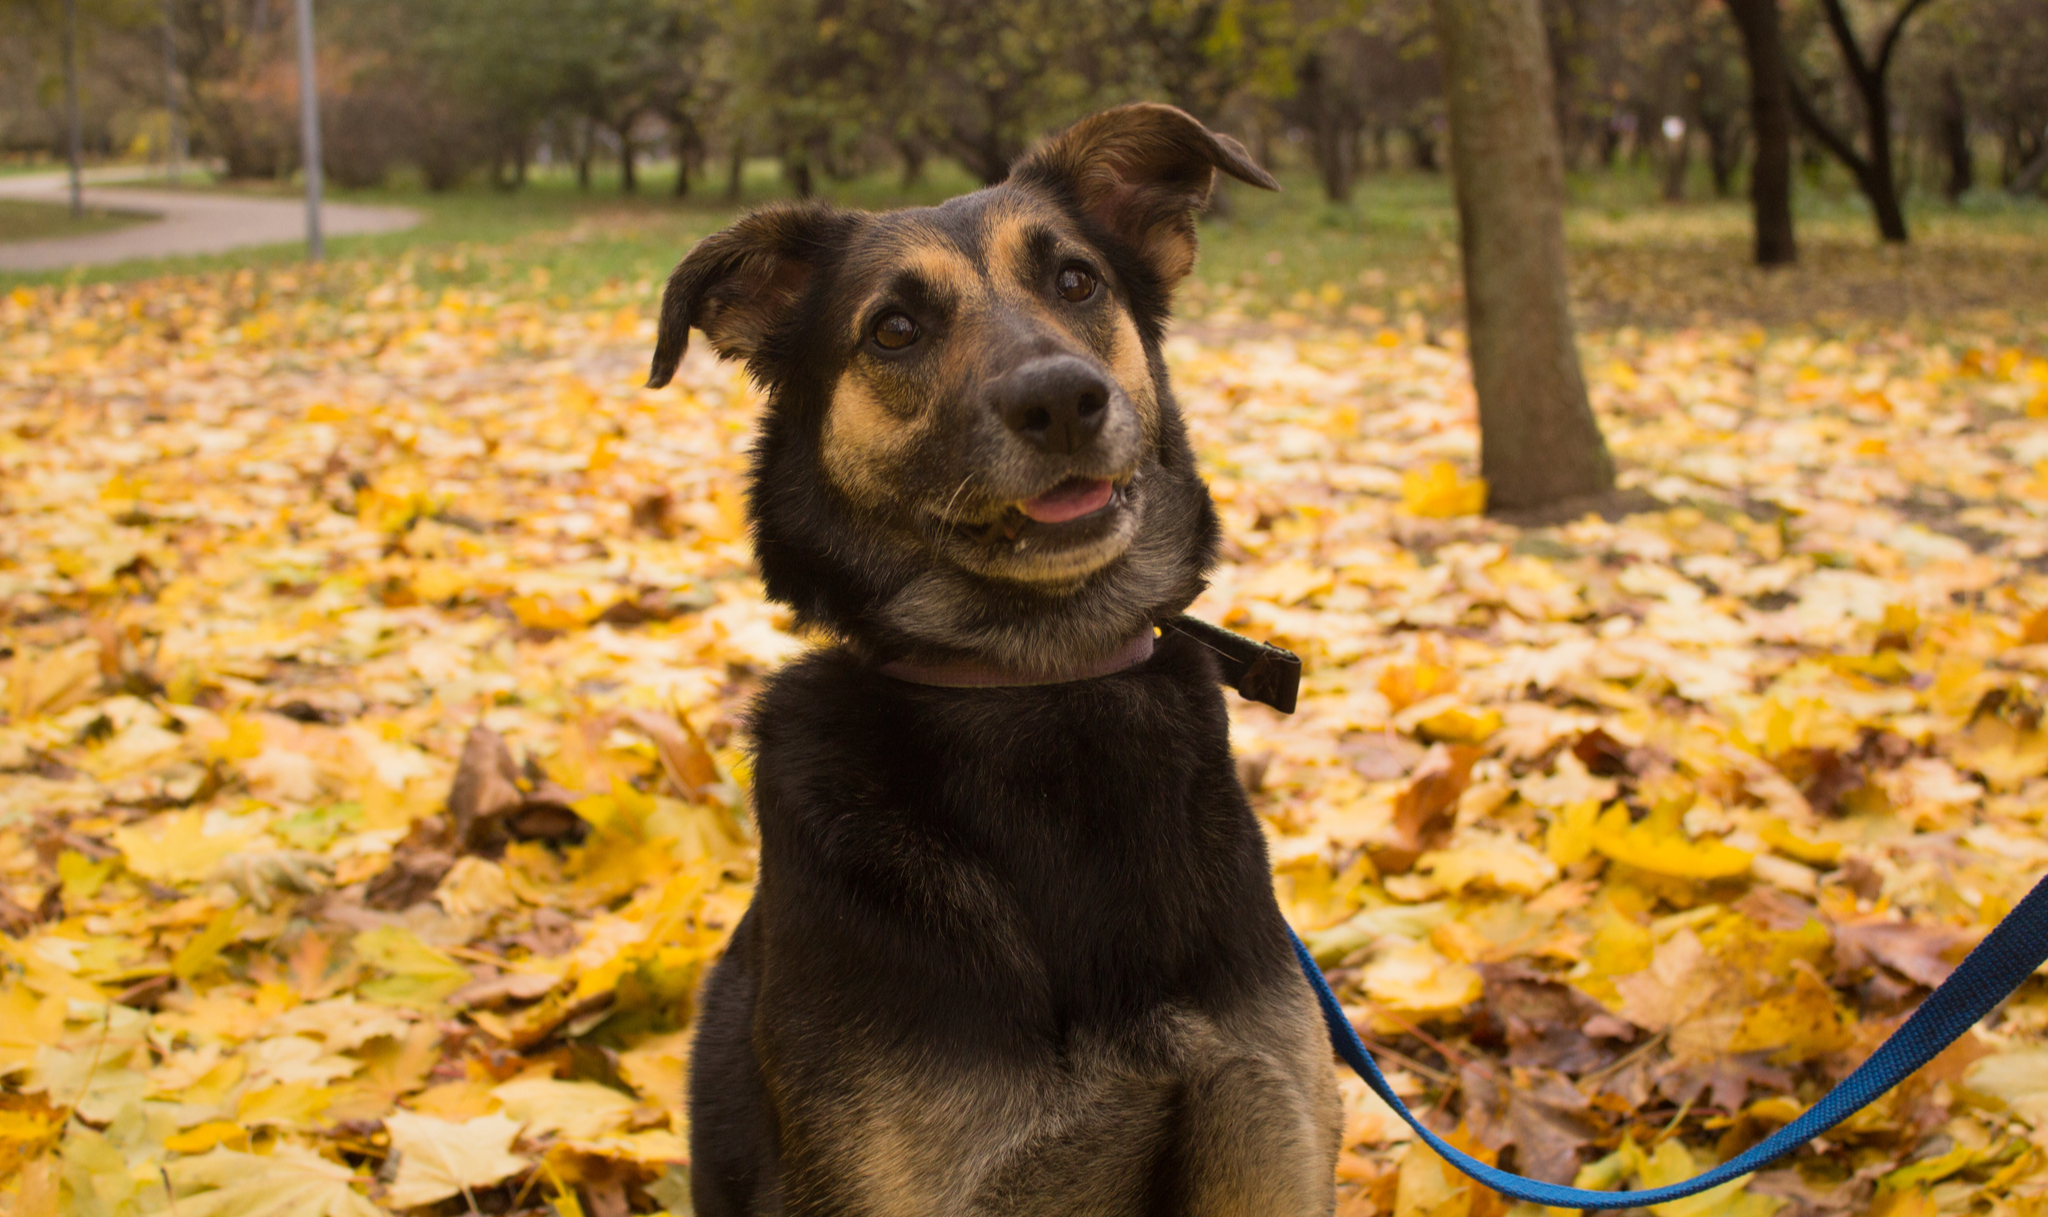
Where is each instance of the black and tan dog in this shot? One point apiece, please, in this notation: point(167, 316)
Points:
point(1014, 948)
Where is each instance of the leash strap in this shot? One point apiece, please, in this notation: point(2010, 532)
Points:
point(1999, 964)
point(1988, 975)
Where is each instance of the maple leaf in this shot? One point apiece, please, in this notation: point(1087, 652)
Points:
point(684, 757)
point(1663, 852)
point(1670, 990)
point(1546, 1118)
point(415, 974)
point(1422, 813)
point(1427, 1186)
point(1416, 978)
point(657, 1069)
point(438, 1158)
point(565, 1109)
point(1440, 492)
point(182, 846)
point(1923, 954)
point(1672, 1162)
point(289, 1181)
point(2019, 1079)
point(1502, 864)
point(28, 1024)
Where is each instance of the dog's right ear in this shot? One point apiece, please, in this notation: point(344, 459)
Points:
point(738, 284)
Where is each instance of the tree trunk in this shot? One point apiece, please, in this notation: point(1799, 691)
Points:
point(1880, 181)
point(1724, 149)
point(586, 148)
point(1328, 141)
point(1677, 163)
point(1539, 443)
point(1873, 166)
point(911, 152)
point(685, 134)
point(74, 150)
point(736, 169)
point(1953, 130)
point(629, 179)
point(1770, 118)
point(1331, 147)
point(1422, 146)
point(2029, 177)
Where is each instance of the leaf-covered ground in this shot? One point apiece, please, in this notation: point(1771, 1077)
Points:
point(373, 771)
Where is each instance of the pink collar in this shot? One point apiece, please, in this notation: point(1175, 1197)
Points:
point(966, 674)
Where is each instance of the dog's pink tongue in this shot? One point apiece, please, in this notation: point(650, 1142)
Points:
point(1070, 500)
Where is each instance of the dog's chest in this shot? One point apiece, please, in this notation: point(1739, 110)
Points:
point(1019, 947)
point(1081, 844)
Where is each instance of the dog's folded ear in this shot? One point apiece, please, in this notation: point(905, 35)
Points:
point(738, 284)
point(1142, 171)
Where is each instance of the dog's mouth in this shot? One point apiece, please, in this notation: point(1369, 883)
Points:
point(1070, 500)
point(1053, 529)
point(1074, 510)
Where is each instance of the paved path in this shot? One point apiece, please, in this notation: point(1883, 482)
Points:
point(193, 222)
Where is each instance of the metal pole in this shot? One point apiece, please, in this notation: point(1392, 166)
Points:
point(309, 130)
point(76, 139)
point(172, 152)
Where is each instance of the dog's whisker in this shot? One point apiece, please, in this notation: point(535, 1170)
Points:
point(947, 515)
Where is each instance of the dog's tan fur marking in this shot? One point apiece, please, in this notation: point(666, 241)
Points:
point(1250, 1097)
point(1126, 360)
point(1008, 230)
point(868, 428)
point(939, 263)
point(864, 438)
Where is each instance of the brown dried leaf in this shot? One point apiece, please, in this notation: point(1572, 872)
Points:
point(684, 757)
point(1924, 954)
point(1541, 1114)
point(486, 787)
point(1424, 811)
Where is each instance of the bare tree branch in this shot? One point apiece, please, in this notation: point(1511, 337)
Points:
point(2029, 177)
point(1833, 140)
point(1892, 35)
point(1852, 50)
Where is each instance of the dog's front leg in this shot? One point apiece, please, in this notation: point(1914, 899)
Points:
point(1261, 1118)
point(735, 1169)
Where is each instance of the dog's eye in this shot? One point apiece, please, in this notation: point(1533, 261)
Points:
point(894, 332)
point(1074, 284)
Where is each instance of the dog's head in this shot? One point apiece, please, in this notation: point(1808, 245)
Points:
point(971, 449)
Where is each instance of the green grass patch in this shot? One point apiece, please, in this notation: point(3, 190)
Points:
point(1387, 258)
point(24, 221)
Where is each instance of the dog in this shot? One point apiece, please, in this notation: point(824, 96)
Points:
point(1014, 948)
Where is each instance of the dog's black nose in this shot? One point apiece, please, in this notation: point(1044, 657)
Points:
point(1056, 404)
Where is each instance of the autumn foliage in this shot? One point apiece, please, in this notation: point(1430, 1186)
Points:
point(373, 780)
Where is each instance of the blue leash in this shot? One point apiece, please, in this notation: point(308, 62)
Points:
point(1998, 965)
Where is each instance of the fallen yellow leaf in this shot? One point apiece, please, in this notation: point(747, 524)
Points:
point(1441, 493)
point(1664, 852)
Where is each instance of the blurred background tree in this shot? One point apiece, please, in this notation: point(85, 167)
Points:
point(1907, 103)
point(1946, 96)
